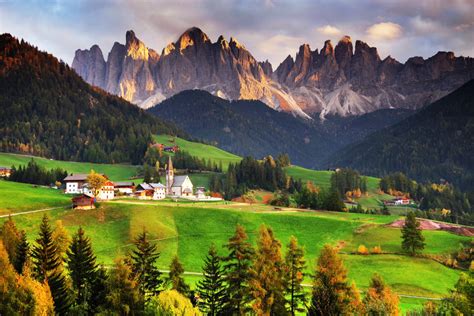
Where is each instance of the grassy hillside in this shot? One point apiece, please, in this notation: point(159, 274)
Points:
point(115, 172)
point(189, 230)
point(200, 150)
point(19, 197)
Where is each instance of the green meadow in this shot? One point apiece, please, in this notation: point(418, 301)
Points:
point(116, 172)
point(200, 150)
point(188, 231)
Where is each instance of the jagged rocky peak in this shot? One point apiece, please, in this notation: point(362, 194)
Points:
point(90, 64)
point(328, 49)
point(344, 50)
point(222, 42)
point(135, 48)
point(192, 37)
point(363, 48)
point(266, 67)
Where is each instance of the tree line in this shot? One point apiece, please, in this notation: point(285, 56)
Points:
point(60, 274)
point(436, 201)
point(250, 173)
point(181, 160)
point(36, 174)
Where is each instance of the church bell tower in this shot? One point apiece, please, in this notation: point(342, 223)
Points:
point(169, 176)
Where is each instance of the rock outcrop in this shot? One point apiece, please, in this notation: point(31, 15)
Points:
point(343, 80)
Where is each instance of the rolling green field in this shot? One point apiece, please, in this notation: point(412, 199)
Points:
point(200, 150)
point(116, 172)
point(19, 197)
point(188, 231)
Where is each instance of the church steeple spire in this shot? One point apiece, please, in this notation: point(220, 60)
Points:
point(169, 176)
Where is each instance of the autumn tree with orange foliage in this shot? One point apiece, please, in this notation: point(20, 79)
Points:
point(379, 299)
point(21, 294)
point(331, 294)
point(266, 283)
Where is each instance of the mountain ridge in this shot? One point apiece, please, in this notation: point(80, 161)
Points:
point(337, 80)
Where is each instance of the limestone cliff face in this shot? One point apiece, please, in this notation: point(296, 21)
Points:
point(345, 80)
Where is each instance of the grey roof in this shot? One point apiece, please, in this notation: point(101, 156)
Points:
point(144, 186)
point(157, 185)
point(124, 184)
point(179, 180)
point(76, 177)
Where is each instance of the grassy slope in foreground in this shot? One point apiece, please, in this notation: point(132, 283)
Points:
point(189, 231)
point(18, 197)
point(116, 172)
point(200, 150)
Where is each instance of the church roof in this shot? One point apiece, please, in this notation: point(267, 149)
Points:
point(179, 180)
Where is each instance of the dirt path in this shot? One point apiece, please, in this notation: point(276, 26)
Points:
point(31, 212)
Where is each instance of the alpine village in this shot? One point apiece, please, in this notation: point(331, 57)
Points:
point(295, 171)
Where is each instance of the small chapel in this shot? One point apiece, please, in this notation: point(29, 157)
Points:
point(177, 185)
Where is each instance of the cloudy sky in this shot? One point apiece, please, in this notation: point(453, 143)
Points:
point(270, 29)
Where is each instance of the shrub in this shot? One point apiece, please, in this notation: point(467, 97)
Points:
point(376, 250)
point(362, 250)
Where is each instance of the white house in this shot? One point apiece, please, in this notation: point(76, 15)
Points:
point(159, 191)
point(124, 187)
point(107, 191)
point(177, 185)
point(150, 191)
point(74, 183)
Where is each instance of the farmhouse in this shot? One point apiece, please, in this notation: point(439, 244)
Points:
point(177, 185)
point(149, 191)
point(124, 187)
point(398, 201)
point(75, 183)
point(5, 172)
point(83, 202)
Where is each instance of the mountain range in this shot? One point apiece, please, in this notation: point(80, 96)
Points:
point(343, 80)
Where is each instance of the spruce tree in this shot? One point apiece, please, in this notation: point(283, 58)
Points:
point(413, 240)
point(82, 268)
point(22, 253)
point(176, 279)
point(331, 294)
point(143, 265)
point(295, 265)
point(48, 267)
point(266, 282)
point(237, 265)
point(212, 289)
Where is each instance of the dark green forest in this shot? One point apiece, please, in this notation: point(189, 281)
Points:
point(47, 110)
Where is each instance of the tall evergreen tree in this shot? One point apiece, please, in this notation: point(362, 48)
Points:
point(331, 295)
point(237, 265)
point(22, 253)
point(48, 267)
point(83, 269)
point(143, 265)
point(212, 289)
point(295, 265)
point(176, 279)
point(413, 241)
point(266, 283)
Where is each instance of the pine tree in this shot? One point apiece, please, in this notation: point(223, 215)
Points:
point(48, 267)
point(82, 268)
point(22, 253)
point(295, 265)
point(266, 282)
point(212, 289)
point(176, 279)
point(331, 294)
point(237, 265)
point(413, 240)
point(143, 265)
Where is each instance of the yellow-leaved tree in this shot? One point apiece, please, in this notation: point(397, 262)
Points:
point(96, 181)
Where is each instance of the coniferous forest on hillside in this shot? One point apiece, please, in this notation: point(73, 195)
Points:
point(47, 110)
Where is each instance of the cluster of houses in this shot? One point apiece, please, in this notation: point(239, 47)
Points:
point(175, 186)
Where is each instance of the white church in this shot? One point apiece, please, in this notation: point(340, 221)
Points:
point(180, 186)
